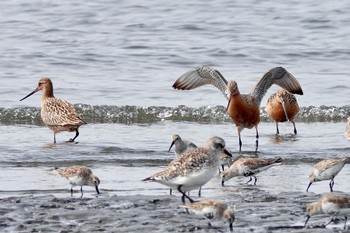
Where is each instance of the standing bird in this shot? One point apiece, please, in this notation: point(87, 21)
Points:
point(330, 204)
point(192, 169)
point(282, 106)
point(326, 170)
point(248, 167)
point(212, 209)
point(57, 114)
point(347, 129)
point(79, 176)
point(182, 146)
point(243, 109)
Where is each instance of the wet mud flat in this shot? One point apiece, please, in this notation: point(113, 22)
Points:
point(256, 211)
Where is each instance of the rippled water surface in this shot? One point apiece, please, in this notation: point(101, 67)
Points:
point(117, 61)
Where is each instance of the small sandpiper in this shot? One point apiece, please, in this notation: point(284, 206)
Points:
point(192, 169)
point(248, 167)
point(330, 204)
point(212, 210)
point(182, 146)
point(79, 176)
point(326, 170)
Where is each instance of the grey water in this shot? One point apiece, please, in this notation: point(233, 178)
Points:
point(117, 62)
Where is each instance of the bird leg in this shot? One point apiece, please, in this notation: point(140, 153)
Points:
point(307, 219)
point(295, 129)
point(76, 135)
point(332, 220)
point(331, 184)
point(184, 195)
point(250, 179)
point(346, 218)
point(255, 179)
point(71, 191)
point(200, 192)
point(257, 139)
point(240, 142)
point(81, 190)
point(171, 192)
point(277, 130)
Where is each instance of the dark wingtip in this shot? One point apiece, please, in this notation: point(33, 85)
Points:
point(179, 86)
point(300, 92)
point(147, 179)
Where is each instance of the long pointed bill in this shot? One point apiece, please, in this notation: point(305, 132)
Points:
point(284, 109)
point(98, 192)
point(228, 104)
point(307, 190)
point(36, 90)
point(227, 153)
point(172, 143)
point(307, 219)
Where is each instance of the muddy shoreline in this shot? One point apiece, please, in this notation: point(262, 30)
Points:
point(256, 211)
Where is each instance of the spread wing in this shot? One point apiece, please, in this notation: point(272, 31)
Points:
point(200, 76)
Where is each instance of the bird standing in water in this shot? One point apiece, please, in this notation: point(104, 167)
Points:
point(281, 107)
point(57, 114)
point(243, 109)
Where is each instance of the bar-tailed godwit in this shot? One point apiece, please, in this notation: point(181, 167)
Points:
point(192, 169)
point(248, 167)
point(282, 106)
point(243, 109)
point(213, 210)
point(330, 204)
point(326, 170)
point(79, 176)
point(57, 114)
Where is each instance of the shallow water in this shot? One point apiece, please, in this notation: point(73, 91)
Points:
point(117, 63)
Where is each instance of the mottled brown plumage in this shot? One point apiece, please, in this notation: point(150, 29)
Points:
point(243, 109)
point(282, 106)
point(248, 167)
point(57, 114)
point(213, 210)
point(326, 170)
point(192, 169)
point(331, 204)
point(79, 176)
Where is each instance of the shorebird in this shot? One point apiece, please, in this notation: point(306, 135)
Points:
point(192, 169)
point(57, 114)
point(79, 176)
point(182, 146)
point(212, 209)
point(330, 204)
point(243, 109)
point(282, 106)
point(248, 167)
point(347, 129)
point(326, 170)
